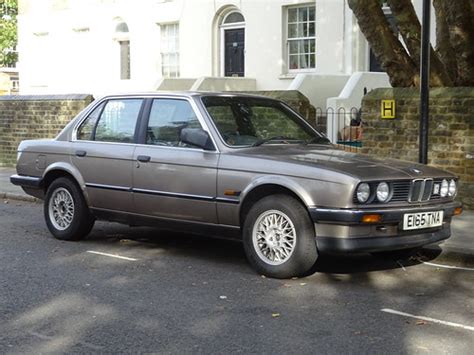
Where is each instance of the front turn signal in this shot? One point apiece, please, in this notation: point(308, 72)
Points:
point(457, 211)
point(372, 218)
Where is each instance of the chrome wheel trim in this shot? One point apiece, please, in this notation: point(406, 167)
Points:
point(274, 237)
point(61, 209)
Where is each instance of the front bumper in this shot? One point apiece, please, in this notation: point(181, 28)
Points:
point(342, 230)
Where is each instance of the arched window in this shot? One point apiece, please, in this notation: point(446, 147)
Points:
point(123, 39)
point(233, 44)
point(233, 17)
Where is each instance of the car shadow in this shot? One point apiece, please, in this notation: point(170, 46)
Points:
point(360, 263)
point(231, 251)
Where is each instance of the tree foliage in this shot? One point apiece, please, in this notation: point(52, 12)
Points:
point(8, 32)
point(451, 63)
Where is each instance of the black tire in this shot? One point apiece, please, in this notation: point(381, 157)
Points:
point(304, 252)
point(401, 254)
point(81, 220)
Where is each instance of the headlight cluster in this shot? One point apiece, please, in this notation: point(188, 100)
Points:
point(447, 189)
point(382, 192)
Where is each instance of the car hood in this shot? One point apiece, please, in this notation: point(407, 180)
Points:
point(360, 166)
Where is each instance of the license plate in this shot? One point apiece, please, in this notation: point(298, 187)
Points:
point(422, 220)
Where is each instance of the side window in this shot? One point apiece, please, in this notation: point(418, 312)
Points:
point(167, 118)
point(118, 120)
point(85, 131)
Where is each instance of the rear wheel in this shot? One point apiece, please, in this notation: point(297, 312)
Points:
point(65, 210)
point(279, 238)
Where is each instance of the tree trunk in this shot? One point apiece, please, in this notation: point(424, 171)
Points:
point(410, 29)
point(444, 48)
point(461, 35)
point(386, 47)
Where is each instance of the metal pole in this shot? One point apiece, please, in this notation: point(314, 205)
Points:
point(425, 82)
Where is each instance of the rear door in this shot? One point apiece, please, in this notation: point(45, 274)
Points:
point(103, 152)
point(171, 179)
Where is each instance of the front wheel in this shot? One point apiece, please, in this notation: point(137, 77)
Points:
point(65, 211)
point(279, 238)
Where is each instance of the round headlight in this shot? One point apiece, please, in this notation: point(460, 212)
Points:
point(363, 192)
point(452, 188)
point(444, 188)
point(383, 192)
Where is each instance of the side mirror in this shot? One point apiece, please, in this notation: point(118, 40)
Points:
point(197, 137)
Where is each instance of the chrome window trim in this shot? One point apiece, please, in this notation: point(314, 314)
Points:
point(193, 104)
point(148, 146)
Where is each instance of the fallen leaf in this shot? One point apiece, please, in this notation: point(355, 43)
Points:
point(421, 322)
point(275, 315)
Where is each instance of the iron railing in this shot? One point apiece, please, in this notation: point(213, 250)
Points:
point(341, 126)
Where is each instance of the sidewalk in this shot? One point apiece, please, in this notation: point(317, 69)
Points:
point(461, 241)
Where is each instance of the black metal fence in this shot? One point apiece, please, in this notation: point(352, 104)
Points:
point(342, 126)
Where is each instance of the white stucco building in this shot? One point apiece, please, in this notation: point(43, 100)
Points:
point(101, 46)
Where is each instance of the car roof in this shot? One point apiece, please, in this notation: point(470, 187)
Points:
point(186, 94)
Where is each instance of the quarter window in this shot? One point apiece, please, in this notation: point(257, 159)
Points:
point(167, 118)
point(170, 50)
point(113, 123)
point(86, 131)
point(301, 33)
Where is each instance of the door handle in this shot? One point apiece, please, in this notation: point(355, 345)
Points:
point(81, 153)
point(143, 158)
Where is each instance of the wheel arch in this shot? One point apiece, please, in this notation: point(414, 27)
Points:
point(62, 169)
point(266, 186)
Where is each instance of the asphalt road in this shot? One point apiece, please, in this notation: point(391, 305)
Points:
point(188, 294)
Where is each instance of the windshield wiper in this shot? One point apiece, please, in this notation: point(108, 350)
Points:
point(317, 140)
point(275, 138)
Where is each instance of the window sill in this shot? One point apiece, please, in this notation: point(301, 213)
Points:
point(287, 76)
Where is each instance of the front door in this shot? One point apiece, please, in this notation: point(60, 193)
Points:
point(234, 52)
point(170, 179)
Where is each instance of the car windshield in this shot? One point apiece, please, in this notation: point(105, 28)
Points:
point(247, 121)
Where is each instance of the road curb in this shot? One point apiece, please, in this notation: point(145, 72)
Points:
point(18, 197)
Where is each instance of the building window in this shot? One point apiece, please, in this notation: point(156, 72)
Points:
point(301, 37)
point(124, 60)
point(170, 50)
point(122, 37)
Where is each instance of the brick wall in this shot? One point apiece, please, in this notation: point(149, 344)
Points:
point(451, 131)
point(34, 117)
point(296, 100)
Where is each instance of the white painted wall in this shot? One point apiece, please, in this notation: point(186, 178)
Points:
point(63, 60)
point(56, 58)
point(318, 87)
